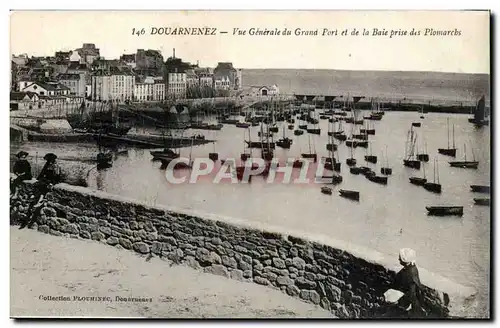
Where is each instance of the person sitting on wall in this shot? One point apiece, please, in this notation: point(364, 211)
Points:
point(22, 169)
point(405, 295)
point(48, 177)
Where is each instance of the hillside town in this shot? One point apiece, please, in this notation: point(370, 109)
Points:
point(69, 77)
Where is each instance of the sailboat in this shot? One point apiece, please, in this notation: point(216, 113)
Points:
point(180, 165)
point(166, 153)
point(386, 170)
point(465, 163)
point(423, 157)
point(331, 146)
point(315, 129)
point(410, 160)
point(349, 194)
point(351, 142)
point(339, 134)
point(422, 112)
point(368, 130)
point(480, 188)
point(261, 144)
point(480, 117)
point(310, 154)
point(371, 158)
point(285, 142)
point(214, 156)
point(373, 177)
point(351, 161)
point(449, 151)
point(419, 181)
point(244, 156)
point(333, 165)
point(267, 152)
point(434, 186)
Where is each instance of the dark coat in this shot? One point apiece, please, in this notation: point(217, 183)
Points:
point(23, 167)
point(408, 281)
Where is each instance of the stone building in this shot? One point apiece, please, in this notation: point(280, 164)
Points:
point(226, 72)
point(88, 53)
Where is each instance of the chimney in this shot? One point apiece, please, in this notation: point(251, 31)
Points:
point(174, 54)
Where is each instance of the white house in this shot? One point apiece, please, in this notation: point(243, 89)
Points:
point(177, 85)
point(118, 87)
point(47, 89)
point(149, 89)
point(260, 91)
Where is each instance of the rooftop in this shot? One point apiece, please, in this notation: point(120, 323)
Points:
point(21, 95)
point(68, 76)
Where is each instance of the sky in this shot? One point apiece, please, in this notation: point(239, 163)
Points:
point(112, 32)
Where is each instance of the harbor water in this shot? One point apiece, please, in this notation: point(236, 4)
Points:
point(387, 217)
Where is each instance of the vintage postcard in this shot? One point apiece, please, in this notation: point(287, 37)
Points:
point(250, 164)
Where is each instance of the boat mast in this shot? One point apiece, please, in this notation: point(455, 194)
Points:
point(437, 171)
point(465, 153)
point(453, 136)
point(448, 131)
point(386, 157)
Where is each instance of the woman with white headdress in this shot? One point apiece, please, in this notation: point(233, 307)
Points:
point(407, 282)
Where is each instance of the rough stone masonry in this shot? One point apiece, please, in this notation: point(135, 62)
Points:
point(348, 286)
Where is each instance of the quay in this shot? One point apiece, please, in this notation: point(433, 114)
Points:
point(345, 279)
point(136, 140)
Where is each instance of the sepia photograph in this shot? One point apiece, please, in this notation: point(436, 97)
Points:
point(250, 164)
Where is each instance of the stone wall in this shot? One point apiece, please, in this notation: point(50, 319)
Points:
point(347, 285)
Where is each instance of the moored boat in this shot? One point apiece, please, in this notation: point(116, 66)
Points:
point(480, 189)
point(418, 181)
point(298, 132)
point(386, 170)
point(243, 125)
point(314, 131)
point(351, 143)
point(331, 147)
point(434, 186)
point(355, 170)
point(423, 157)
point(465, 163)
point(259, 144)
point(350, 194)
point(449, 151)
point(445, 210)
point(482, 201)
point(363, 144)
point(326, 190)
point(377, 179)
point(165, 153)
point(213, 156)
